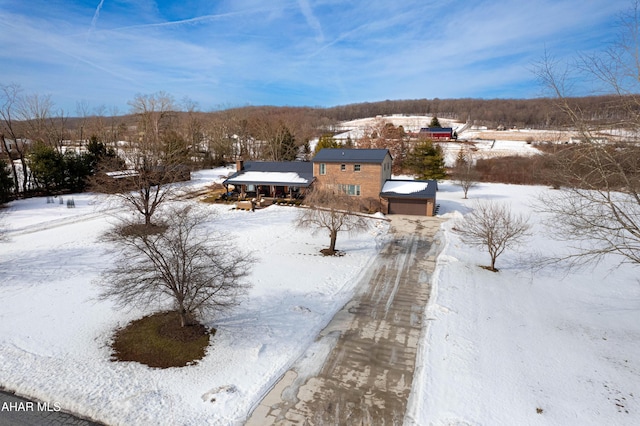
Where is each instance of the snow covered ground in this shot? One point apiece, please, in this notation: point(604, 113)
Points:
point(484, 143)
point(54, 334)
point(520, 347)
point(410, 123)
point(498, 347)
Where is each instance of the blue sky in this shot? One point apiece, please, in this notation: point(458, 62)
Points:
point(299, 52)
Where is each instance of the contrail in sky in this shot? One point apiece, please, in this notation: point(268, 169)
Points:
point(313, 22)
point(188, 21)
point(96, 15)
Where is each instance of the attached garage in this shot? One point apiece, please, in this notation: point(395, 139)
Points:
point(410, 197)
point(413, 207)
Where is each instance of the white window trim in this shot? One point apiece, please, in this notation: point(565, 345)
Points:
point(346, 188)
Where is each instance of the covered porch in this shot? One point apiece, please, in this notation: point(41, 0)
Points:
point(270, 180)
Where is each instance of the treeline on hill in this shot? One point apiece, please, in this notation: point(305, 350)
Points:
point(45, 151)
point(539, 113)
point(574, 162)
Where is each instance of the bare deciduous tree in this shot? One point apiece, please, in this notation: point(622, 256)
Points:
point(155, 113)
point(153, 163)
point(597, 206)
point(144, 186)
point(331, 209)
point(195, 268)
point(13, 136)
point(493, 226)
point(464, 173)
point(383, 134)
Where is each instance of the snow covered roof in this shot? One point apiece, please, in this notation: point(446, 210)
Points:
point(409, 189)
point(280, 173)
point(121, 174)
point(339, 155)
point(269, 178)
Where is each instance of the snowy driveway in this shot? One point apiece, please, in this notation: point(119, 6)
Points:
point(370, 346)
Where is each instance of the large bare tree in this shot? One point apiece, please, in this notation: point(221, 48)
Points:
point(155, 114)
point(198, 270)
point(144, 174)
point(493, 226)
point(142, 181)
point(597, 206)
point(329, 209)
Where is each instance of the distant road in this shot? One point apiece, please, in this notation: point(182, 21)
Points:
point(16, 411)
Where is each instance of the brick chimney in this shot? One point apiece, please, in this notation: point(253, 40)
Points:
point(239, 164)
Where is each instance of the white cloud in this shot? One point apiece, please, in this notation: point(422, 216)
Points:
point(311, 51)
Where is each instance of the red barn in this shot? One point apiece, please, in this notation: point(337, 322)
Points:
point(436, 133)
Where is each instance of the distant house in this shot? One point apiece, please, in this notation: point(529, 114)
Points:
point(271, 178)
point(12, 146)
point(436, 133)
point(132, 179)
point(359, 172)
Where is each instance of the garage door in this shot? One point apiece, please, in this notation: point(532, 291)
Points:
point(413, 207)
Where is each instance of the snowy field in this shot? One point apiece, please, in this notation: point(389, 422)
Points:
point(54, 334)
point(511, 348)
point(484, 143)
point(520, 347)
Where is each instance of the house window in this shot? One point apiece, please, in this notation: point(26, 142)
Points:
point(343, 167)
point(323, 169)
point(356, 167)
point(350, 189)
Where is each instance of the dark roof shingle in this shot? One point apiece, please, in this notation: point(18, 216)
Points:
point(411, 189)
point(288, 173)
point(338, 155)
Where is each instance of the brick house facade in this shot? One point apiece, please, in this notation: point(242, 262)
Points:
point(362, 173)
point(358, 172)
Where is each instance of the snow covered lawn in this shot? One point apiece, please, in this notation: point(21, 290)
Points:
point(520, 347)
point(54, 334)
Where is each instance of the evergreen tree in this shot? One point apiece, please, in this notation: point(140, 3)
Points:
point(77, 169)
point(48, 167)
point(426, 161)
point(349, 142)
point(288, 147)
point(53, 171)
point(326, 141)
point(435, 122)
point(6, 182)
point(98, 152)
point(306, 150)
point(461, 159)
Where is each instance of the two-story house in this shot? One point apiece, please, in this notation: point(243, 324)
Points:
point(359, 172)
